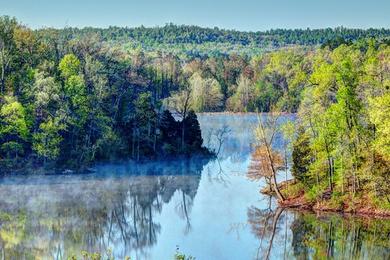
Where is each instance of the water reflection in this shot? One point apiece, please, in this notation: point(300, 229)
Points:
point(285, 234)
point(209, 208)
point(69, 214)
point(264, 223)
point(332, 236)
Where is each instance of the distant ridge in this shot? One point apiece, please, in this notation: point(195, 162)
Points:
point(190, 34)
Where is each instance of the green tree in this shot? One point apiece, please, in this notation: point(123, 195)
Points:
point(7, 48)
point(75, 92)
point(379, 115)
point(267, 96)
point(206, 94)
point(14, 131)
point(46, 92)
point(301, 156)
point(180, 102)
point(193, 136)
point(69, 66)
point(144, 126)
point(46, 142)
point(243, 98)
point(170, 134)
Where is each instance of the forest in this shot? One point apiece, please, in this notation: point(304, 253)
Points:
point(341, 151)
point(340, 140)
point(74, 96)
point(194, 41)
point(129, 141)
point(69, 103)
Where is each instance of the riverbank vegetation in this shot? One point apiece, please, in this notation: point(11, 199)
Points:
point(340, 149)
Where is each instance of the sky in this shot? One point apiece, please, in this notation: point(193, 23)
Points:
point(244, 15)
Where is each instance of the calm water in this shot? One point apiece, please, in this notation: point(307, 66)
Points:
point(209, 209)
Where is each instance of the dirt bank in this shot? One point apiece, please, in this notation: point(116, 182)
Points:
point(361, 205)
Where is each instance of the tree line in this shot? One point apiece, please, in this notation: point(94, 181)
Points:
point(70, 103)
point(185, 34)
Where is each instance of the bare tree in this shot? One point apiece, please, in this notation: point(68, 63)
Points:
point(221, 135)
point(260, 166)
point(265, 135)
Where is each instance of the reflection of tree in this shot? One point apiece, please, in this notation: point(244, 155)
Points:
point(187, 194)
point(319, 237)
point(237, 149)
point(218, 175)
point(230, 135)
point(220, 135)
point(332, 236)
point(94, 214)
point(264, 224)
point(183, 208)
point(275, 220)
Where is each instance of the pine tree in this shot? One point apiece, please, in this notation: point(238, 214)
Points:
point(301, 156)
point(169, 133)
point(193, 138)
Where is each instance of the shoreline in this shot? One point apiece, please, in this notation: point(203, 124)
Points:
point(362, 208)
point(317, 207)
point(31, 168)
point(241, 113)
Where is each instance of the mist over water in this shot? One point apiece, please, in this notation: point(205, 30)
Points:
point(208, 208)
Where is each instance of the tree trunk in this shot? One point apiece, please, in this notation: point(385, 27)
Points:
point(274, 225)
point(276, 188)
point(182, 135)
point(274, 182)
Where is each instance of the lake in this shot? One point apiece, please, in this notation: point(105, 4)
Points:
point(207, 209)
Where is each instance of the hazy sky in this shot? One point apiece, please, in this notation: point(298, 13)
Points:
point(233, 14)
